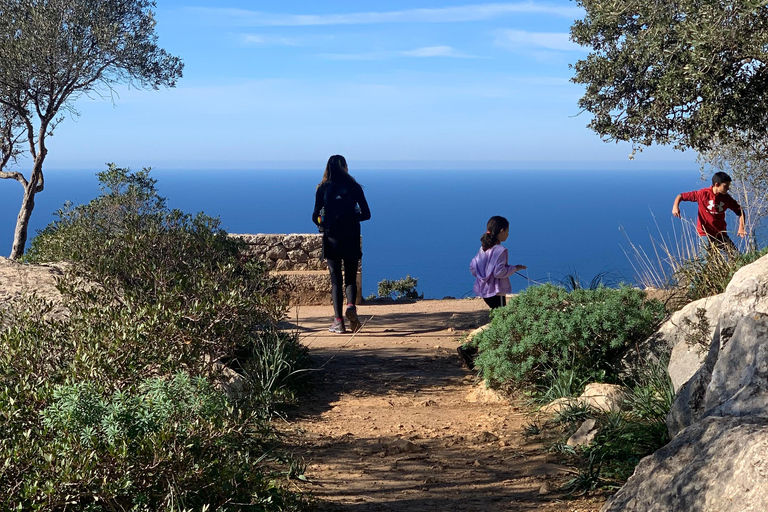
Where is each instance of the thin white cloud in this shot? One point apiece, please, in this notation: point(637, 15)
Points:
point(424, 52)
point(262, 40)
point(436, 51)
point(476, 12)
point(523, 40)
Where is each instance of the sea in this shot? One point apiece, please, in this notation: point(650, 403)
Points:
point(427, 223)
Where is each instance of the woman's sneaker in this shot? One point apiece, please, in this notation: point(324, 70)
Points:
point(354, 322)
point(338, 326)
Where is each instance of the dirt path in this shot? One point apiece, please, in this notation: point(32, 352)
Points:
point(394, 423)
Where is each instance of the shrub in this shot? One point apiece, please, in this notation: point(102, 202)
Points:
point(120, 406)
point(405, 287)
point(547, 329)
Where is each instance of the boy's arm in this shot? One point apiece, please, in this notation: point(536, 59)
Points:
point(742, 231)
point(676, 206)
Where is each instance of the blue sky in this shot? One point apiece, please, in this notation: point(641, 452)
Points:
point(292, 82)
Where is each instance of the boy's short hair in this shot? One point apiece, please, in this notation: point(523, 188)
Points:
point(720, 177)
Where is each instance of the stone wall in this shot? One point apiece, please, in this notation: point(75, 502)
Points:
point(296, 258)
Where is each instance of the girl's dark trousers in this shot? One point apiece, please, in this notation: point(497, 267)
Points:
point(497, 301)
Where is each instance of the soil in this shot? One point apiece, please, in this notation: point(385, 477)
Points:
point(395, 423)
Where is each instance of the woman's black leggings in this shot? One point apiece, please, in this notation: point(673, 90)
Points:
point(339, 285)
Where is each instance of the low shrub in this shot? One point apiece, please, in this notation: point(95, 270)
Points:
point(622, 437)
point(547, 329)
point(154, 393)
point(399, 288)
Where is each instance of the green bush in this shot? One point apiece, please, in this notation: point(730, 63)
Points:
point(405, 287)
point(547, 329)
point(121, 405)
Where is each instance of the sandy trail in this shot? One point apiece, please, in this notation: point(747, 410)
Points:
point(394, 423)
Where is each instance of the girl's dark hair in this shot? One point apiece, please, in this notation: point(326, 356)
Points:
point(496, 225)
point(336, 170)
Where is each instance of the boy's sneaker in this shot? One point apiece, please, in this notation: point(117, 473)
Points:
point(354, 322)
point(466, 358)
point(338, 326)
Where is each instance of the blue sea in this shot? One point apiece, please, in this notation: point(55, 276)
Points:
point(425, 223)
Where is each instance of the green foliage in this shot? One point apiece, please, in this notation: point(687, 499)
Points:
point(54, 53)
point(154, 390)
point(681, 72)
point(405, 287)
point(704, 276)
point(623, 437)
point(546, 329)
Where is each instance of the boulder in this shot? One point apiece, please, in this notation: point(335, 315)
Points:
point(597, 395)
point(20, 279)
point(719, 421)
point(717, 465)
point(584, 435)
point(483, 394)
point(603, 397)
point(732, 382)
point(747, 293)
point(690, 336)
point(675, 338)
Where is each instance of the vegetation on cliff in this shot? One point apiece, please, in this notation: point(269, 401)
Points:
point(154, 393)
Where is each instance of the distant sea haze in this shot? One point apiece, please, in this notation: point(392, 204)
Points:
point(426, 223)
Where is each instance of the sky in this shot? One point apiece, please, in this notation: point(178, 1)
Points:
point(289, 83)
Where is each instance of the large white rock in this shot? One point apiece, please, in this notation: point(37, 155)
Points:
point(716, 465)
point(686, 358)
point(718, 457)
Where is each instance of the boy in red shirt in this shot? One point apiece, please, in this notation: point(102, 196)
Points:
point(713, 202)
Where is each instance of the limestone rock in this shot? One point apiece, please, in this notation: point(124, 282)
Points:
point(477, 331)
point(558, 405)
point(680, 332)
point(584, 435)
point(19, 279)
point(603, 397)
point(599, 396)
point(747, 293)
point(719, 421)
point(277, 253)
point(718, 464)
point(483, 394)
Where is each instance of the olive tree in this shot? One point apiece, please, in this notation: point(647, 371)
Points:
point(54, 51)
point(681, 72)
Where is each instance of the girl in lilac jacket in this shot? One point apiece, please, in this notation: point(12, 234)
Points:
point(490, 266)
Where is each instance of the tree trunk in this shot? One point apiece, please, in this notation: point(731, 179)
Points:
point(22, 221)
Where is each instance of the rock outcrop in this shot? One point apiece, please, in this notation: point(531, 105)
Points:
point(719, 422)
point(22, 279)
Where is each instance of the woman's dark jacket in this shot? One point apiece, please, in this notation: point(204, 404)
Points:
point(341, 239)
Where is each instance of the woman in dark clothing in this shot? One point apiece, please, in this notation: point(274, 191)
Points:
point(340, 206)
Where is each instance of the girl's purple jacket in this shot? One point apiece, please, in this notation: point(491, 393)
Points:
point(492, 272)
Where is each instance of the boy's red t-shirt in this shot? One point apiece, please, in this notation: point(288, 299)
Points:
point(712, 207)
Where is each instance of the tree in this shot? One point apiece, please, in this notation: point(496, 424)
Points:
point(54, 51)
point(681, 72)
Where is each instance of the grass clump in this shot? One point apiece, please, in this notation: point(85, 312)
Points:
point(623, 437)
point(154, 391)
point(546, 329)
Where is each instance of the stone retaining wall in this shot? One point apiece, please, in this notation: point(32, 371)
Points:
point(296, 258)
